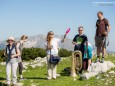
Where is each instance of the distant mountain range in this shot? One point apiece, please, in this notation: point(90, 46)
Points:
point(38, 41)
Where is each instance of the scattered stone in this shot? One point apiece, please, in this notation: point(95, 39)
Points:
point(31, 81)
point(112, 76)
point(25, 65)
point(33, 66)
point(24, 71)
point(87, 85)
point(19, 84)
point(38, 62)
point(97, 68)
point(38, 58)
point(98, 77)
point(33, 85)
point(112, 72)
point(2, 63)
point(106, 84)
point(110, 82)
point(106, 75)
point(103, 79)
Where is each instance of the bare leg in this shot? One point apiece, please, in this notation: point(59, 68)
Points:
point(103, 54)
point(89, 62)
point(98, 53)
point(103, 51)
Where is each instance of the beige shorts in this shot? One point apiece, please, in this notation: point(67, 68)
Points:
point(100, 41)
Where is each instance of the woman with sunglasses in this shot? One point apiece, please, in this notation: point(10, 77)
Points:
point(52, 46)
point(11, 54)
point(79, 41)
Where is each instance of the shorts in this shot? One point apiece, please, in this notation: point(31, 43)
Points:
point(100, 41)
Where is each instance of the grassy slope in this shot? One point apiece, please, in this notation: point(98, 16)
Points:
point(37, 77)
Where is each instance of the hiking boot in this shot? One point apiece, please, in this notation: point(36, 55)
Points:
point(21, 79)
point(14, 85)
point(102, 61)
point(82, 77)
point(97, 60)
point(8, 85)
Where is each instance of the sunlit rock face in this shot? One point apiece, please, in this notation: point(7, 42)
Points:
point(97, 68)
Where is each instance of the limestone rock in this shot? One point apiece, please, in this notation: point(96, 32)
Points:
point(97, 68)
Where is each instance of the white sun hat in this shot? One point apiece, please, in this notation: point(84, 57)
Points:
point(11, 38)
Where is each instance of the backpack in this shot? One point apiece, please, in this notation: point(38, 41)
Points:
point(107, 38)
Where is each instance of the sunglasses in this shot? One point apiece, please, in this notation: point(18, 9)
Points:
point(80, 30)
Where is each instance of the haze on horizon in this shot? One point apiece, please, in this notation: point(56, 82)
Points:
point(34, 17)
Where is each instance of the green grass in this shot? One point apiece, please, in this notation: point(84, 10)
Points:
point(37, 77)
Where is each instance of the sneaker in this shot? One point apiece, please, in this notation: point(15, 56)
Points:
point(57, 75)
point(49, 78)
point(89, 69)
point(54, 78)
point(102, 61)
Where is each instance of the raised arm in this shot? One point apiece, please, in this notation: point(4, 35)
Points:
point(66, 33)
point(63, 40)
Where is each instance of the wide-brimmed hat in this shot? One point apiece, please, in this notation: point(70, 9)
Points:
point(24, 37)
point(11, 38)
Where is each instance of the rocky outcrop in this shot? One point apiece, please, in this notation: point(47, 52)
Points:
point(97, 68)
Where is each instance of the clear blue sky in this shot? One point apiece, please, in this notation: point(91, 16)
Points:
point(33, 17)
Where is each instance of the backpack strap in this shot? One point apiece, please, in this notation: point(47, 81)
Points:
point(10, 50)
point(105, 23)
point(107, 39)
point(6, 49)
point(16, 49)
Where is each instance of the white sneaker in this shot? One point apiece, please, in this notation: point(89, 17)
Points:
point(49, 78)
point(57, 75)
point(54, 78)
point(89, 69)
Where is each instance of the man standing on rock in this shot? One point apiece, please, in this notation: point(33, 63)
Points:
point(103, 28)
